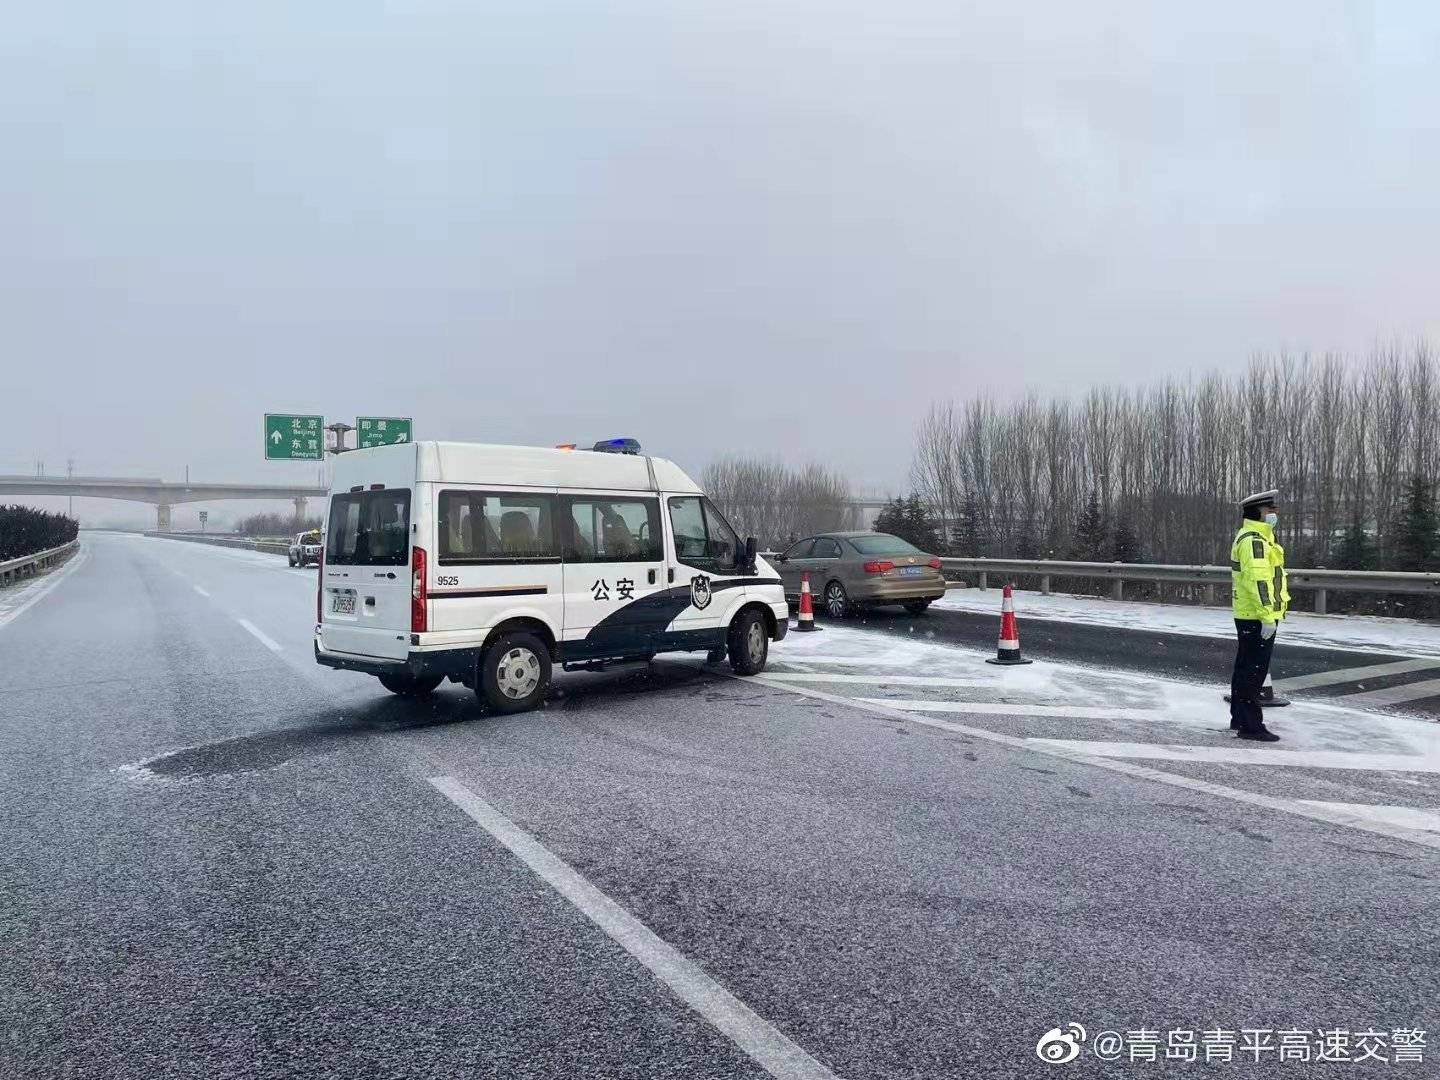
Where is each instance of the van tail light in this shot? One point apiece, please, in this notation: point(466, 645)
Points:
point(320, 588)
point(878, 566)
point(419, 597)
point(934, 564)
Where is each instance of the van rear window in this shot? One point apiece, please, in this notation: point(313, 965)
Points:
point(369, 528)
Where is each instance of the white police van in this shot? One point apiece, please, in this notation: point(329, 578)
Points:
point(489, 564)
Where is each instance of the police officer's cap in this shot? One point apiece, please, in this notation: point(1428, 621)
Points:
point(1261, 498)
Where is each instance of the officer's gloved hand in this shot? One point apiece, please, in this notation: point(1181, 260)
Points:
point(1267, 630)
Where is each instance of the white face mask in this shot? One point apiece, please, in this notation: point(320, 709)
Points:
point(1272, 519)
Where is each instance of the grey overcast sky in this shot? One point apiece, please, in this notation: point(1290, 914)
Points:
point(765, 226)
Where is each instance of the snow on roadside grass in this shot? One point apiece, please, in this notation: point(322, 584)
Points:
point(1368, 633)
point(1165, 710)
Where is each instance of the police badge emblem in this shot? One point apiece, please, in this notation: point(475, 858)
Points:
point(700, 591)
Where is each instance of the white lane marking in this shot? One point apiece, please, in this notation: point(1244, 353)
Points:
point(1250, 754)
point(36, 592)
point(1393, 695)
point(201, 591)
point(1330, 814)
point(761, 1041)
point(1354, 674)
point(1409, 817)
point(268, 642)
point(1010, 708)
point(852, 661)
point(879, 679)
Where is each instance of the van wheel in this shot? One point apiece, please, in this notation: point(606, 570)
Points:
point(291, 558)
point(514, 673)
point(410, 685)
point(748, 643)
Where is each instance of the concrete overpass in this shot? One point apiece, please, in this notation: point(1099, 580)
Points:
point(156, 492)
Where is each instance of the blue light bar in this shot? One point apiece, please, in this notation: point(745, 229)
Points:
point(617, 446)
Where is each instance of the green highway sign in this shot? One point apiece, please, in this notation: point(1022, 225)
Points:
point(294, 438)
point(381, 431)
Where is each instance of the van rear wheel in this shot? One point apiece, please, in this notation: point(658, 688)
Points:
point(407, 685)
point(748, 643)
point(514, 673)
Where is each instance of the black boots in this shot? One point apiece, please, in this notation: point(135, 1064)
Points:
point(1259, 734)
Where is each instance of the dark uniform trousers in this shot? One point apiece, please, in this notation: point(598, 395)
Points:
point(1252, 663)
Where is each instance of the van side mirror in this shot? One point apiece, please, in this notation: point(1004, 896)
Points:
point(750, 547)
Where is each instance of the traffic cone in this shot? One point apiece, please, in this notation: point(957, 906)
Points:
point(1268, 698)
point(1008, 651)
point(807, 607)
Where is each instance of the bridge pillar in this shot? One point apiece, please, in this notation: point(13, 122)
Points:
point(162, 517)
point(299, 509)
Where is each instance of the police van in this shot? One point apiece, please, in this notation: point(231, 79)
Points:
point(487, 565)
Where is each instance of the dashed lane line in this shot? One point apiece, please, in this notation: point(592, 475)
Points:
point(1328, 813)
point(1354, 674)
point(269, 642)
point(760, 1040)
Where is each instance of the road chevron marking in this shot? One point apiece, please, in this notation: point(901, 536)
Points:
point(761, 1041)
point(1355, 674)
point(1331, 814)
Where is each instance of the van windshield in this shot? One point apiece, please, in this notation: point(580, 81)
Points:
point(369, 528)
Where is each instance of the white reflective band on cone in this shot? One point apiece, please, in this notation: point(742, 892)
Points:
point(1009, 643)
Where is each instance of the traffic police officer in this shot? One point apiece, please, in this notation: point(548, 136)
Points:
point(1261, 598)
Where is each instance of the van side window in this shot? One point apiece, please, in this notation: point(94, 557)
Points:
point(370, 528)
point(597, 529)
point(703, 538)
point(490, 527)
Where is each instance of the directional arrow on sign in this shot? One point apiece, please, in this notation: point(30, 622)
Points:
point(275, 437)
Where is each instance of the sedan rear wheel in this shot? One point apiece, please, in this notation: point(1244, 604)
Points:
point(837, 600)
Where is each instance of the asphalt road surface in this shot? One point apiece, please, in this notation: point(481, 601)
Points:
point(220, 860)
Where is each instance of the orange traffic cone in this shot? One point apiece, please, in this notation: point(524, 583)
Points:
point(807, 607)
point(1008, 651)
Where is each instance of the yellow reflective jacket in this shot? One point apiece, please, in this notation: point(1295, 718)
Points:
point(1257, 574)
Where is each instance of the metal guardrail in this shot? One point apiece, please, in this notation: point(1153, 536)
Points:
point(30, 565)
point(1318, 581)
point(264, 546)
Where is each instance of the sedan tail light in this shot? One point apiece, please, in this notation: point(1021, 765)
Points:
point(878, 566)
point(934, 564)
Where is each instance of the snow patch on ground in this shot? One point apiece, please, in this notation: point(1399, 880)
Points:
point(1173, 711)
point(1404, 637)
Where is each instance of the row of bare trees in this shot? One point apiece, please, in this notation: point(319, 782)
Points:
point(1351, 443)
point(777, 503)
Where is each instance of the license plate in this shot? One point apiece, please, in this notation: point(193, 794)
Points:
point(342, 603)
point(911, 571)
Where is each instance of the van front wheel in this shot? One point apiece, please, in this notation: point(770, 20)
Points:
point(514, 673)
point(407, 685)
point(748, 643)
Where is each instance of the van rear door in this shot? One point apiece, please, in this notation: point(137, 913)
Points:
point(365, 603)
